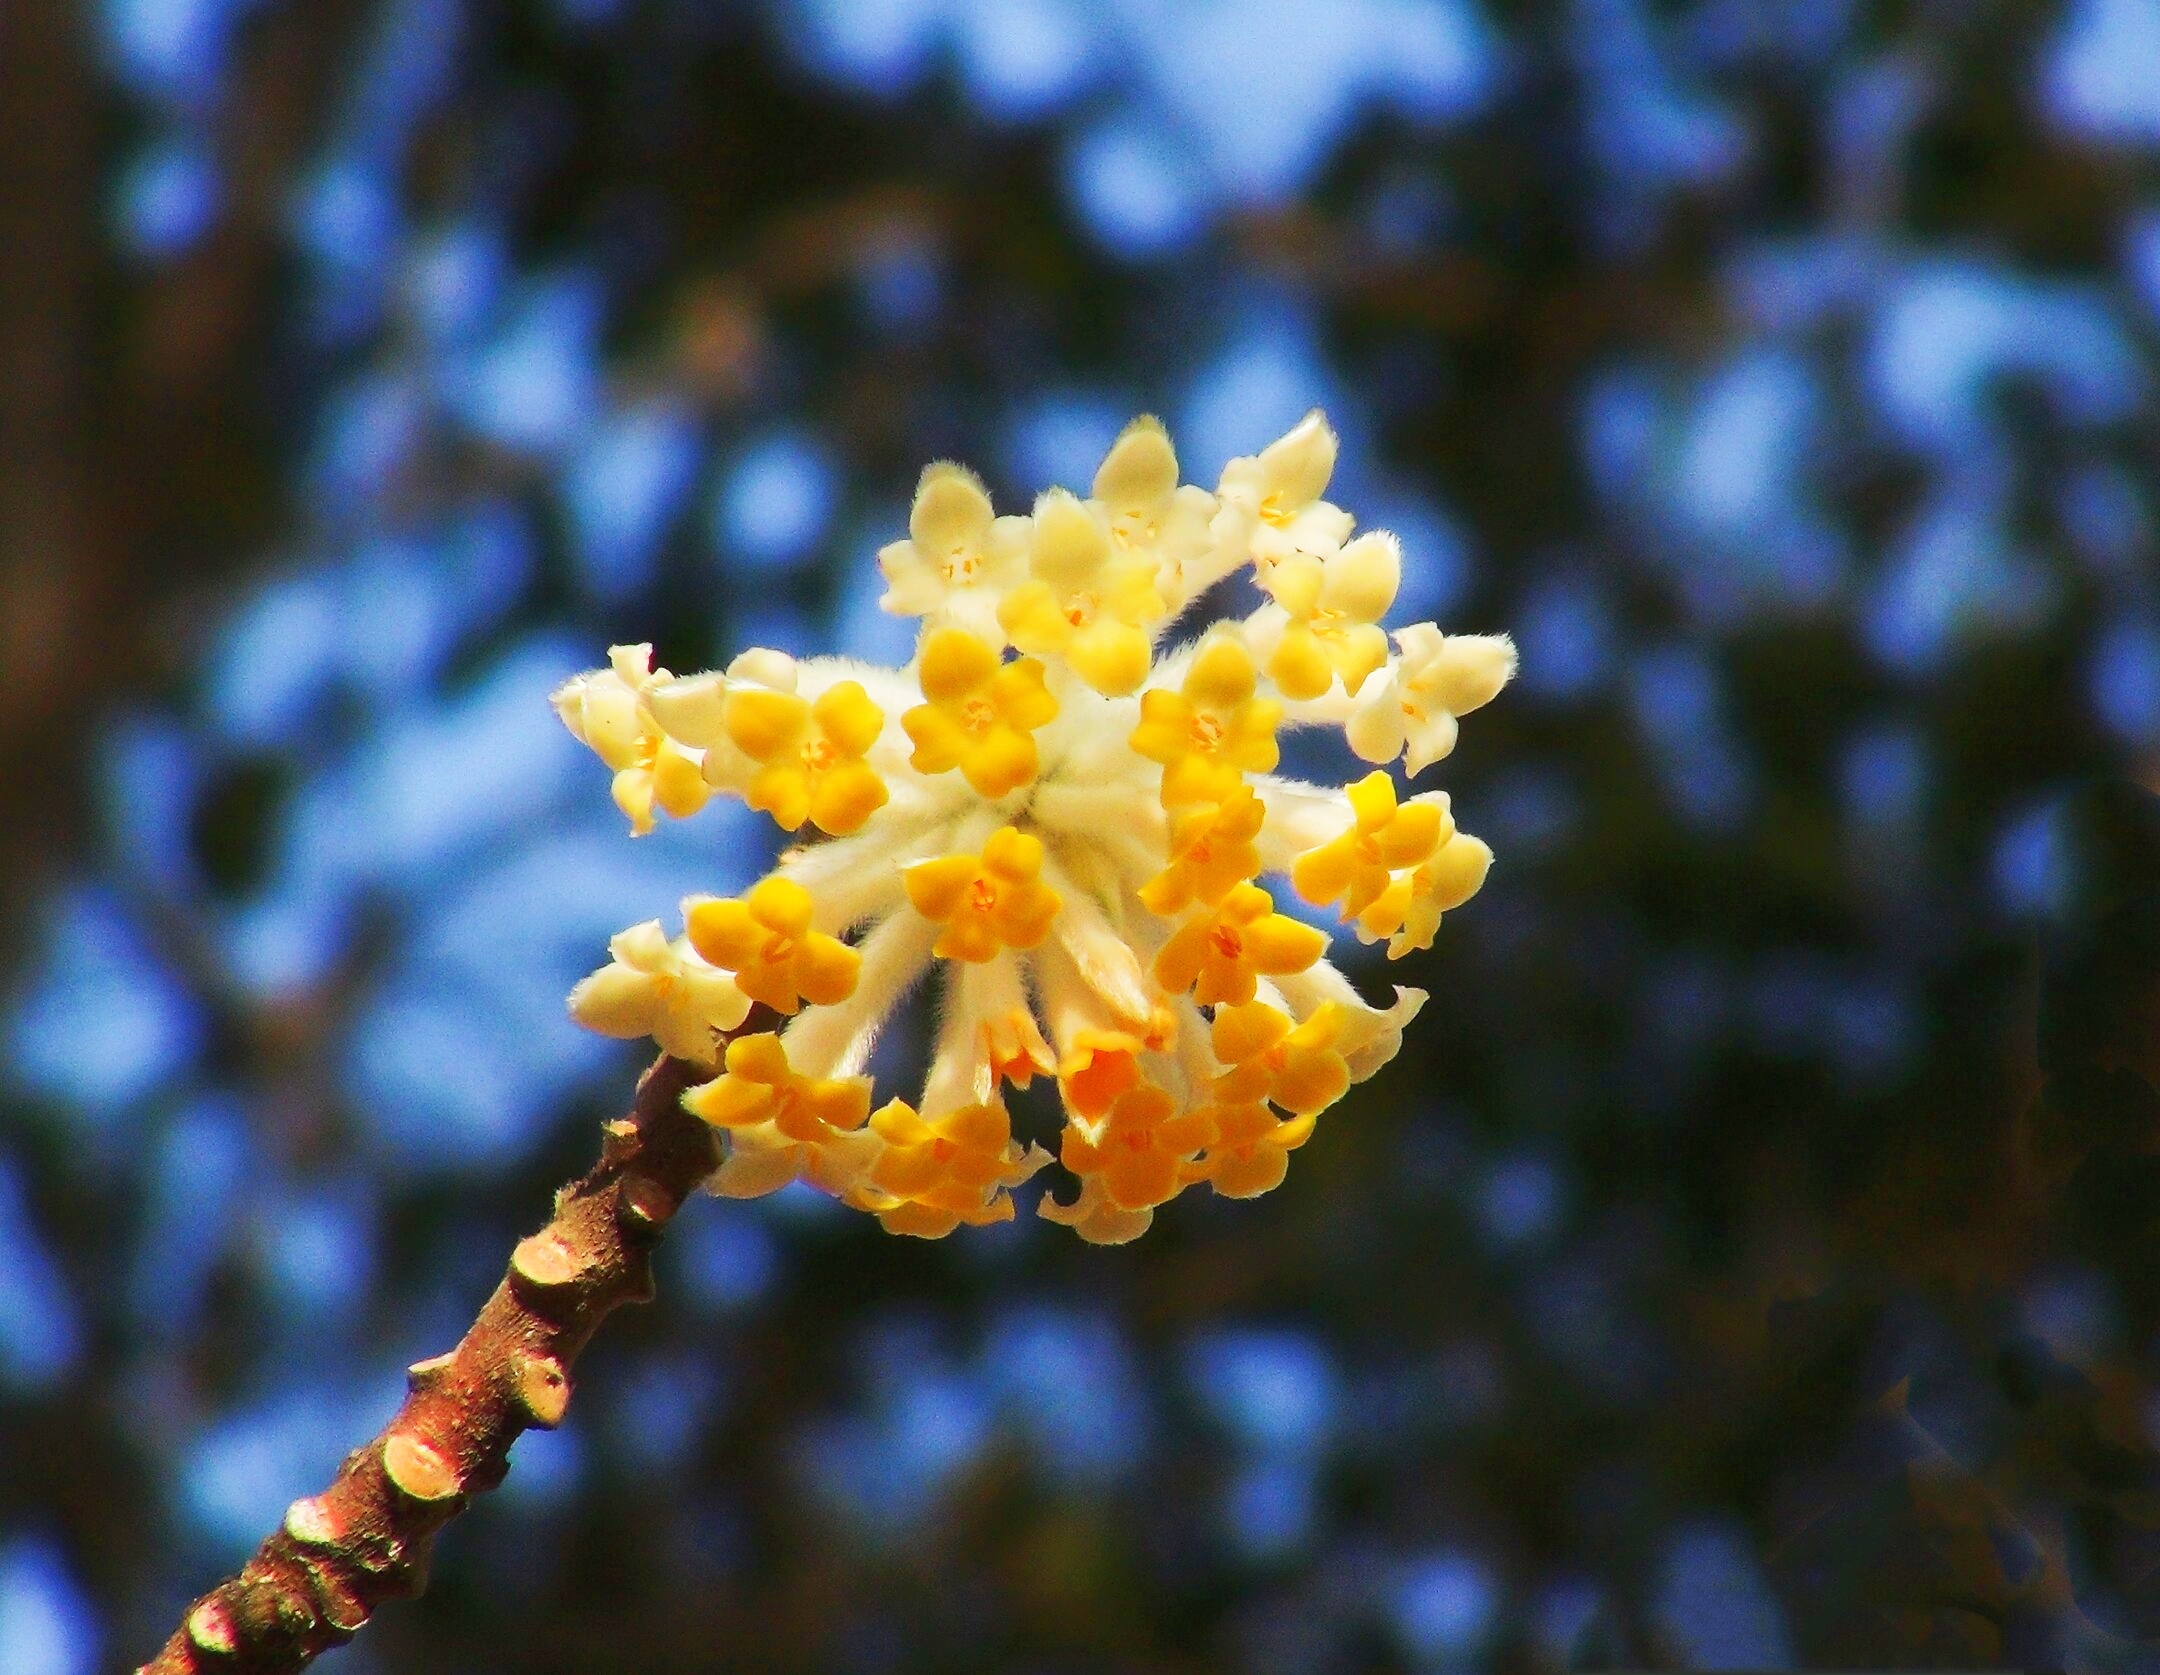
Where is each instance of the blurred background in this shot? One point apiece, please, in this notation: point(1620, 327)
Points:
point(1754, 1258)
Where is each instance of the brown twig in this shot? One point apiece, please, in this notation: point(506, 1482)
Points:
point(365, 1539)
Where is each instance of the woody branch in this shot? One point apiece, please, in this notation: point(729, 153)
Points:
point(366, 1538)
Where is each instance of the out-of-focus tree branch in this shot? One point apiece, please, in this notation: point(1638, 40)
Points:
point(51, 571)
point(133, 466)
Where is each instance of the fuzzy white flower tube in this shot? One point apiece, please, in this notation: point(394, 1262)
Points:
point(1064, 825)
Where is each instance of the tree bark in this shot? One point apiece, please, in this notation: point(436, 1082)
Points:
point(366, 1538)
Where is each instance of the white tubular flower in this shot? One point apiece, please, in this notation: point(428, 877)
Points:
point(959, 557)
point(1409, 708)
point(688, 709)
point(1271, 500)
point(662, 989)
point(606, 710)
point(1066, 835)
point(1153, 517)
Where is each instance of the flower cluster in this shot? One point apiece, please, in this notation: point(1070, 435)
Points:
point(1068, 823)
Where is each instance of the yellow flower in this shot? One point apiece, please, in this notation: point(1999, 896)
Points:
point(1330, 610)
point(1408, 911)
point(1250, 1152)
point(936, 1173)
point(1213, 730)
point(981, 715)
point(1098, 1067)
point(767, 941)
point(1094, 1217)
point(757, 1086)
point(606, 711)
point(1141, 1149)
point(1385, 837)
point(986, 902)
point(1370, 1036)
point(1220, 953)
point(1084, 602)
point(810, 755)
point(1299, 1067)
point(1211, 850)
